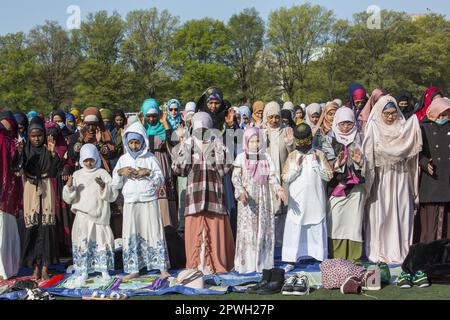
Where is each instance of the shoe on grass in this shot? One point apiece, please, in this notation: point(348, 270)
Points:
point(301, 287)
point(288, 287)
point(404, 280)
point(421, 280)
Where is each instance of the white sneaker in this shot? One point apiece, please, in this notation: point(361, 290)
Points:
point(288, 268)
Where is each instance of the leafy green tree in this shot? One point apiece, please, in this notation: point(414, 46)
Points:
point(57, 61)
point(103, 79)
point(17, 72)
point(246, 40)
point(201, 58)
point(146, 49)
point(296, 36)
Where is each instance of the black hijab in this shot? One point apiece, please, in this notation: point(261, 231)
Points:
point(37, 160)
point(219, 116)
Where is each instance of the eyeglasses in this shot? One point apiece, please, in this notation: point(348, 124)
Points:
point(390, 114)
point(173, 110)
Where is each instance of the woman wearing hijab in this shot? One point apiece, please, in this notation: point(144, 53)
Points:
point(213, 104)
point(174, 113)
point(93, 131)
point(425, 101)
point(257, 115)
point(286, 118)
point(59, 117)
point(11, 192)
point(324, 124)
point(364, 115)
point(405, 103)
point(313, 112)
point(159, 134)
point(208, 237)
point(254, 175)
point(434, 162)
point(357, 100)
point(71, 122)
point(77, 115)
point(64, 218)
point(245, 117)
point(391, 148)
point(305, 172)
point(22, 122)
point(346, 203)
point(225, 121)
point(37, 161)
point(280, 142)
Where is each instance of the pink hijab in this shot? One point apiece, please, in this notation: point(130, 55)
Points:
point(258, 169)
point(438, 106)
point(364, 115)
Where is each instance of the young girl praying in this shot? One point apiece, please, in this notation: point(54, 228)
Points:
point(139, 176)
point(254, 172)
point(89, 192)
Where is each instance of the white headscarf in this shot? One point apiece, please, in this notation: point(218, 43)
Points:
point(202, 120)
point(344, 114)
point(89, 151)
point(388, 144)
point(288, 105)
point(190, 106)
point(272, 108)
point(310, 110)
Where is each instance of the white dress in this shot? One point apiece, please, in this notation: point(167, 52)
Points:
point(144, 244)
point(305, 232)
point(92, 237)
point(255, 239)
point(9, 246)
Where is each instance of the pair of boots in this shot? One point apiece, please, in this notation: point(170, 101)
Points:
point(271, 283)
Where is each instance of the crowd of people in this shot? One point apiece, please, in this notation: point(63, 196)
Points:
point(360, 180)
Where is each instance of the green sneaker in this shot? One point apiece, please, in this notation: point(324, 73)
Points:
point(421, 280)
point(404, 280)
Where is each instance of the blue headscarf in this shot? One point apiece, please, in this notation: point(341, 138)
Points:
point(244, 110)
point(32, 114)
point(173, 122)
point(135, 136)
point(158, 128)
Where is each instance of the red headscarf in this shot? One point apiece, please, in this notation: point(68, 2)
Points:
point(426, 100)
point(11, 190)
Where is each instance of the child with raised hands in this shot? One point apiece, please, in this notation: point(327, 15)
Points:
point(89, 192)
point(139, 175)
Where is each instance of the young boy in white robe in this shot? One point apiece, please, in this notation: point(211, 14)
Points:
point(306, 172)
point(139, 175)
point(89, 192)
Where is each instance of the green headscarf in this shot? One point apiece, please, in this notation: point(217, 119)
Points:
point(158, 128)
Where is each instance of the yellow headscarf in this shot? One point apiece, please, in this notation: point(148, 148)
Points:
point(76, 114)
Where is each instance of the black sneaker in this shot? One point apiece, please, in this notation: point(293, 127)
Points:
point(404, 280)
point(421, 280)
point(288, 287)
point(301, 287)
point(264, 281)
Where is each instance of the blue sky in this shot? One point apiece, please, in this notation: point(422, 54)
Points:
point(23, 15)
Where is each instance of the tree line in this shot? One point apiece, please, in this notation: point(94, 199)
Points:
point(303, 53)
